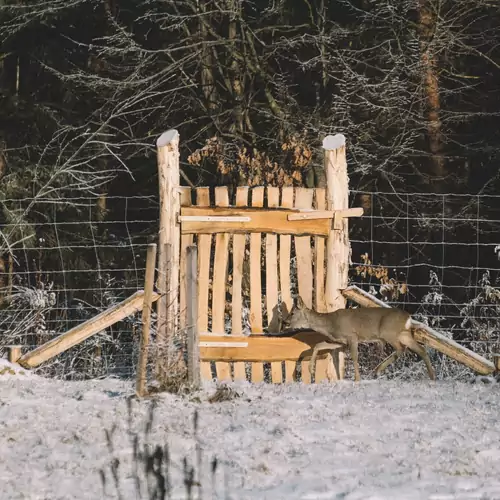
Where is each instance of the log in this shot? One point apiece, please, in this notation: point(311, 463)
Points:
point(82, 332)
point(14, 353)
point(426, 335)
point(146, 321)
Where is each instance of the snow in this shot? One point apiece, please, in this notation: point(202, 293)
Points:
point(381, 439)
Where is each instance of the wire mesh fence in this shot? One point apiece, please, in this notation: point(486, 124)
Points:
point(66, 260)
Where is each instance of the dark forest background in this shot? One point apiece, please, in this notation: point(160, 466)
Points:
point(87, 86)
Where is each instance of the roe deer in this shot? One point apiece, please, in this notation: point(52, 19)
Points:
point(351, 326)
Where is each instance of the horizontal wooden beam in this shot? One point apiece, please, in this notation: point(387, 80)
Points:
point(311, 214)
point(426, 335)
point(207, 218)
point(262, 220)
point(82, 332)
point(260, 348)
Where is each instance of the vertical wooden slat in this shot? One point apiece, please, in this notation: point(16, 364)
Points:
point(193, 338)
point(257, 369)
point(289, 370)
point(186, 241)
point(255, 269)
point(239, 241)
point(324, 367)
point(220, 281)
point(204, 249)
point(276, 372)
point(285, 253)
point(273, 201)
point(303, 252)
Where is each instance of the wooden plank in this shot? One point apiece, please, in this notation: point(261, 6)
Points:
point(303, 251)
point(273, 200)
point(186, 241)
point(209, 218)
point(427, 335)
point(276, 372)
point(324, 367)
point(263, 220)
point(220, 280)
point(256, 369)
point(239, 244)
point(289, 371)
point(261, 348)
point(205, 370)
point(84, 331)
point(255, 269)
point(193, 347)
point(204, 249)
point(313, 214)
point(285, 254)
point(149, 281)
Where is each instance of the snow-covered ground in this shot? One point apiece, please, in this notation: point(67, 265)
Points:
point(374, 440)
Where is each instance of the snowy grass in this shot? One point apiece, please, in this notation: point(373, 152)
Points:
point(382, 439)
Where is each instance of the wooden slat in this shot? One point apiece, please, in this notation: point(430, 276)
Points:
point(205, 370)
point(262, 221)
point(257, 369)
point(273, 200)
point(303, 252)
point(289, 371)
point(255, 269)
point(239, 243)
point(324, 367)
point(276, 372)
point(220, 281)
point(285, 253)
point(317, 213)
point(260, 348)
point(204, 249)
point(186, 240)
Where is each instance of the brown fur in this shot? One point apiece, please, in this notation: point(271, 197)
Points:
point(351, 326)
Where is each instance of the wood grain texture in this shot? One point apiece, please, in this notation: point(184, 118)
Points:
point(204, 250)
point(219, 281)
point(261, 221)
point(285, 243)
point(186, 241)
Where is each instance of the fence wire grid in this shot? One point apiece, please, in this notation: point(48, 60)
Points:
point(65, 261)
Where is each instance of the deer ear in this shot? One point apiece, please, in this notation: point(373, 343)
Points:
point(300, 303)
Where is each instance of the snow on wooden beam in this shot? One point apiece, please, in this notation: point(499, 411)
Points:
point(426, 335)
point(82, 332)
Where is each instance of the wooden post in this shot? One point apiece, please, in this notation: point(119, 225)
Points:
point(337, 198)
point(193, 344)
point(169, 233)
point(337, 247)
point(14, 353)
point(496, 362)
point(146, 320)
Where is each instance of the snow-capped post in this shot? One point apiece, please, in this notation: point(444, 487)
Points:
point(169, 234)
point(337, 198)
point(146, 320)
point(14, 353)
point(193, 342)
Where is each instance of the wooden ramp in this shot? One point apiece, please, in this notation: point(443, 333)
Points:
point(428, 336)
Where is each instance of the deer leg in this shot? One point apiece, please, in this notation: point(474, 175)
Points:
point(413, 345)
point(335, 353)
point(353, 346)
point(318, 347)
point(387, 361)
